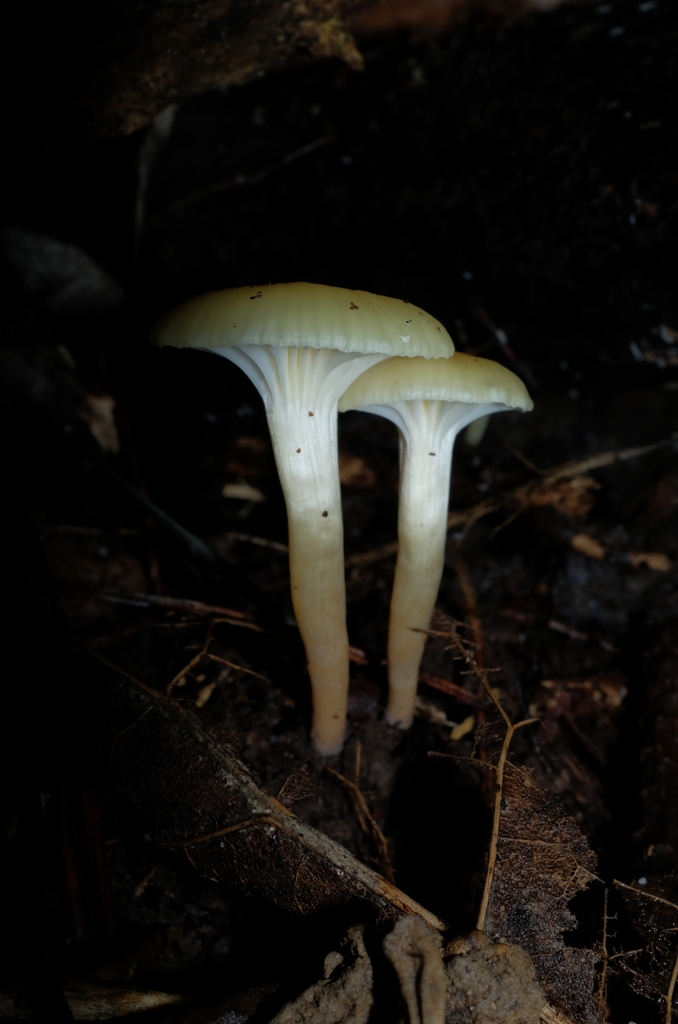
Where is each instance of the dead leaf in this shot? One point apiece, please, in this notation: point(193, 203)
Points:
point(588, 546)
point(257, 445)
point(463, 729)
point(655, 560)
point(357, 656)
point(94, 1002)
point(203, 800)
point(242, 492)
point(298, 786)
point(569, 497)
point(98, 413)
point(654, 912)
point(543, 861)
point(664, 502)
point(331, 39)
point(657, 838)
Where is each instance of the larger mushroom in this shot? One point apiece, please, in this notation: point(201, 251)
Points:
point(430, 401)
point(302, 345)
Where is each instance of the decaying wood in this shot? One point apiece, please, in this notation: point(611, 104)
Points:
point(204, 802)
point(150, 53)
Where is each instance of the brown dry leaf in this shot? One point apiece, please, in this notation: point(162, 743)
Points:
point(242, 492)
point(203, 800)
point(658, 836)
point(664, 502)
point(357, 656)
point(573, 497)
point(98, 412)
point(464, 728)
point(543, 861)
point(583, 706)
point(298, 786)
point(94, 1002)
point(653, 905)
point(152, 53)
point(588, 546)
point(654, 912)
point(655, 560)
point(331, 39)
point(526, 495)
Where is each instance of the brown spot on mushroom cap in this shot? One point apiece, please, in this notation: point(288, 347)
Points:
point(301, 315)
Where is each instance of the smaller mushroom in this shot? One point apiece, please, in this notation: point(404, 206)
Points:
point(430, 401)
point(302, 345)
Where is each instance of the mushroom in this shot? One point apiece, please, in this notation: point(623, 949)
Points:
point(302, 345)
point(429, 401)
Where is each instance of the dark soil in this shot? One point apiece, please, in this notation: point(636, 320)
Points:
point(517, 181)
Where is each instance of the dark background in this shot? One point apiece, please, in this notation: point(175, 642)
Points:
point(519, 181)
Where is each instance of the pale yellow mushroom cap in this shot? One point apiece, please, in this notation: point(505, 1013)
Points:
point(462, 378)
point(301, 315)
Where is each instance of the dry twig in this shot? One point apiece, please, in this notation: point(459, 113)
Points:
point(176, 681)
point(204, 652)
point(363, 814)
point(669, 994)
point(643, 892)
point(259, 542)
point(602, 986)
point(668, 998)
point(180, 604)
point(238, 668)
point(511, 729)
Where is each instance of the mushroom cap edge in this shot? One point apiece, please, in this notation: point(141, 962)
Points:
point(462, 378)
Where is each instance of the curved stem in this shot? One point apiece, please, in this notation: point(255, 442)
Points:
point(305, 451)
point(426, 462)
point(427, 434)
point(301, 388)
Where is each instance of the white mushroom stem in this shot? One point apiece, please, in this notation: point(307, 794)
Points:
point(300, 388)
point(428, 430)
